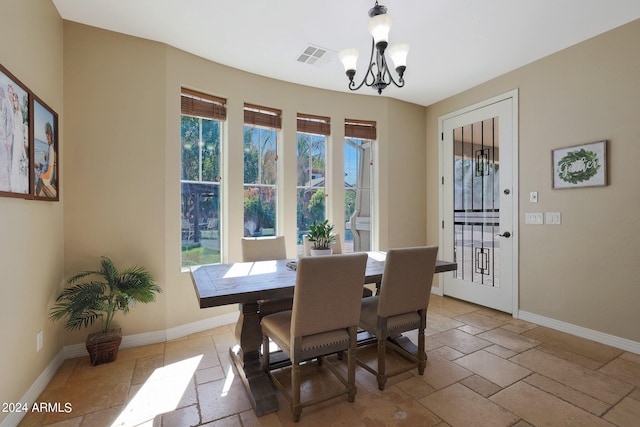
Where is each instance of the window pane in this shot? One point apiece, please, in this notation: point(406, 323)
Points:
point(358, 194)
point(190, 136)
point(210, 150)
point(260, 178)
point(311, 206)
point(200, 206)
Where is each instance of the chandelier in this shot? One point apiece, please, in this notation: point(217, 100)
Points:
point(378, 75)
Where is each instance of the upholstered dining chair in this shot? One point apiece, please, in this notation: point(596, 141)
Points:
point(256, 249)
point(336, 246)
point(323, 320)
point(400, 306)
point(263, 248)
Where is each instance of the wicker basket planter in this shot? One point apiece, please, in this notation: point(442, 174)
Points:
point(103, 347)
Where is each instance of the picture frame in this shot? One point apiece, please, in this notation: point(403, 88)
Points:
point(15, 140)
point(45, 166)
point(579, 166)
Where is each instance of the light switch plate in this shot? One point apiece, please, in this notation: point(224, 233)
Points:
point(553, 218)
point(533, 218)
point(533, 197)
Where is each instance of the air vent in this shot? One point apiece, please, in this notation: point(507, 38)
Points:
point(314, 55)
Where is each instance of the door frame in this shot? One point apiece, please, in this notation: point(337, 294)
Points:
point(513, 95)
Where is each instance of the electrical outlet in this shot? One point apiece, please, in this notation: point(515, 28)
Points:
point(533, 218)
point(39, 340)
point(553, 218)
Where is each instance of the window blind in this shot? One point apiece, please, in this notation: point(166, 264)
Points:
point(193, 103)
point(317, 125)
point(360, 129)
point(262, 116)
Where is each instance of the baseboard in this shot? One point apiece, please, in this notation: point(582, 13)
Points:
point(30, 397)
point(137, 340)
point(202, 325)
point(602, 338)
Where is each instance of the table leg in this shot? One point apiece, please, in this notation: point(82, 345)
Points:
point(248, 361)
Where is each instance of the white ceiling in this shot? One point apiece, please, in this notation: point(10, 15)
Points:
point(455, 44)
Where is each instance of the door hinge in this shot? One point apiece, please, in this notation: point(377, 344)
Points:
point(443, 225)
point(442, 136)
point(443, 180)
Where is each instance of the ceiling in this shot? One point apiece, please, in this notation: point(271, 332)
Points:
point(455, 44)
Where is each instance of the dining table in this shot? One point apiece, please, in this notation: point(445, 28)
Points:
point(249, 283)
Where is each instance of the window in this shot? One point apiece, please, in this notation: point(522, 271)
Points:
point(200, 135)
point(358, 191)
point(311, 160)
point(261, 126)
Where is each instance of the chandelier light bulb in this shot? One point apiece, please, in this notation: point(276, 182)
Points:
point(349, 58)
point(398, 53)
point(379, 27)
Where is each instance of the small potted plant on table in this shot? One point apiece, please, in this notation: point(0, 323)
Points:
point(321, 236)
point(86, 301)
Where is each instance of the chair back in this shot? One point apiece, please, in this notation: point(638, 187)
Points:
point(328, 293)
point(336, 246)
point(407, 279)
point(263, 248)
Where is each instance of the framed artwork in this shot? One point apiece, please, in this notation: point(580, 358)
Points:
point(578, 166)
point(45, 162)
point(15, 104)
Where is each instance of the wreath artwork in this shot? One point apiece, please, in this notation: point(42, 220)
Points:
point(580, 166)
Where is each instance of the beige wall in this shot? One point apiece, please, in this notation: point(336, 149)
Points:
point(123, 160)
point(31, 247)
point(584, 272)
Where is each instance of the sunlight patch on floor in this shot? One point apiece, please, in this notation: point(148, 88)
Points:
point(161, 393)
point(227, 382)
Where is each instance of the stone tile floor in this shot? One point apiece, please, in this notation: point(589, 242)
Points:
point(484, 369)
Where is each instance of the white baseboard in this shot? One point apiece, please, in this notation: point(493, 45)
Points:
point(137, 340)
point(202, 325)
point(13, 418)
point(579, 331)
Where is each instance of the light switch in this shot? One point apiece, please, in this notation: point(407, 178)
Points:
point(553, 218)
point(533, 197)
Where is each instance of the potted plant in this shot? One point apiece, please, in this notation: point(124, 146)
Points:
point(321, 236)
point(105, 292)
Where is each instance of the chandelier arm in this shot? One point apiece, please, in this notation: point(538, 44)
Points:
point(369, 72)
point(399, 83)
point(387, 73)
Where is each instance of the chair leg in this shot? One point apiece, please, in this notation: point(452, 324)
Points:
point(382, 360)
point(351, 372)
point(265, 353)
point(296, 407)
point(422, 356)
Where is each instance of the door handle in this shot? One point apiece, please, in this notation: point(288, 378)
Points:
point(506, 234)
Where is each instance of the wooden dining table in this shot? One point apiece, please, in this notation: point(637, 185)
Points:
point(248, 283)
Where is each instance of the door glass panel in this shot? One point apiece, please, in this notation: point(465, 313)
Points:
point(477, 202)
